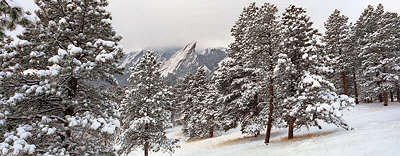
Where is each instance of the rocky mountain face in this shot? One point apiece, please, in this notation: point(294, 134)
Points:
point(131, 59)
point(176, 63)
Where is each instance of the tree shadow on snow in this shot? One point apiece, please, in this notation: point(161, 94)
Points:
point(304, 136)
point(247, 139)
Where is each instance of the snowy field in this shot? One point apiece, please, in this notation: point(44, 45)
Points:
point(376, 133)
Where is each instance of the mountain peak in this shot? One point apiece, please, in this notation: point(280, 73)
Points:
point(171, 65)
point(176, 62)
point(190, 47)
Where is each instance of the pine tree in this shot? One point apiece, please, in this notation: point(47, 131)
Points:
point(181, 91)
point(245, 78)
point(211, 109)
point(144, 109)
point(237, 81)
point(366, 24)
point(264, 36)
point(380, 56)
point(193, 114)
point(11, 16)
point(240, 29)
point(223, 78)
point(57, 80)
point(183, 96)
point(307, 97)
point(336, 43)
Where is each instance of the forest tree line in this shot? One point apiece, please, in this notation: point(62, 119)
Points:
point(281, 72)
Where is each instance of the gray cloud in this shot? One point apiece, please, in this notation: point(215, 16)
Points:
point(146, 23)
point(157, 23)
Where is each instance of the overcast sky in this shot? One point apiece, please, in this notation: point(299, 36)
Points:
point(160, 23)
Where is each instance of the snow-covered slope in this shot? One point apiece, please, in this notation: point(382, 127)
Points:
point(178, 59)
point(376, 133)
point(189, 60)
point(132, 58)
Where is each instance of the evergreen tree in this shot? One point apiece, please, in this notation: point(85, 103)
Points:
point(366, 24)
point(379, 55)
point(55, 95)
point(264, 36)
point(223, 80)
point(245, 78)
point(184, 97)
point(308, 98)
point(11, 16)
point(181, 91)
point(144, 109)
point(238, 81)
point(197, 116)
point(211, 109)
point(336, 43)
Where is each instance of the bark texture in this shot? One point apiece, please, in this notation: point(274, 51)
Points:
point(385, 99)
point(398, 94)
point(391, 96)
point(211, 132)
point(146, 149)
point(291, 127)
point(355, 88)
point(271, 110)
point(346, 91)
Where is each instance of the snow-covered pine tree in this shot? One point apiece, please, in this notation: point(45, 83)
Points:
point(239, 85)
point(253, 67)
point(211, 110)
point(336, 43)
point(366, 24)
point(182, 101)
point(183, 96)
point(380, 56)
point(56, 103)
point(222, 79)
point(307, 96)
point(144, 111)
point(239, 30)
point(245, 78)
point(264, 37)
point(195, 115)
point(11, 16)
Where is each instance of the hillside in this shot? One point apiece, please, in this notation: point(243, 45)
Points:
point(376, 133)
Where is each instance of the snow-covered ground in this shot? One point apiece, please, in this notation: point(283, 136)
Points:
point(376, 133)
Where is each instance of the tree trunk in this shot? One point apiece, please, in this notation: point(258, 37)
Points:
point(72, 90)
point(146, 149)
point(380, 97)
point(72, 87)
point(398, 94)
point(173, 119)
point(346, 92)
point(355, 88)
point(211, 132)
point(391, 96)
point(271, 109)
point(385, 96)
point(291, 127)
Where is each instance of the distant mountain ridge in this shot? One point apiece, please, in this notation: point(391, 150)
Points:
point(175, 62)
